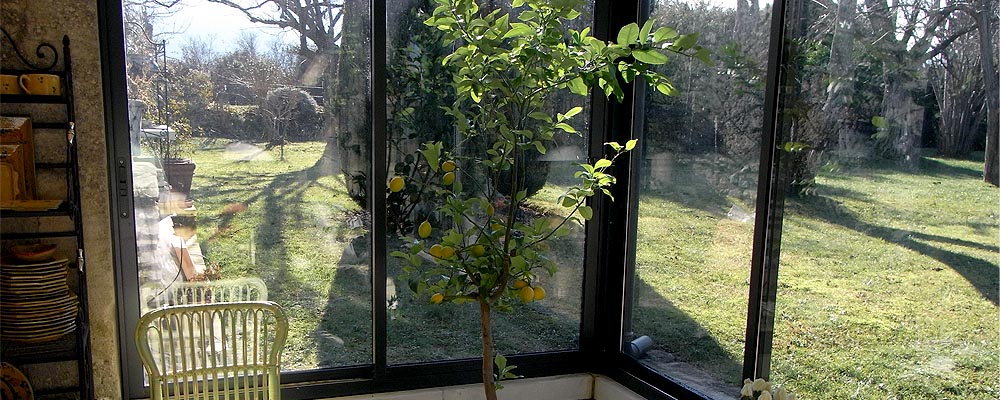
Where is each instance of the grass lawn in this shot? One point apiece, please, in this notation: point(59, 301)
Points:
point(888, 284)
point(887, 289)
point(293, 225)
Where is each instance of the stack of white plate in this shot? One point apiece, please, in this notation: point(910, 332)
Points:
point(36, 304)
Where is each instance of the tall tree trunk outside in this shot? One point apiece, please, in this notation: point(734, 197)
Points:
point(840, 92)
point(486, 327)
point(986, 19)
point(347, 103)
point(904, 120)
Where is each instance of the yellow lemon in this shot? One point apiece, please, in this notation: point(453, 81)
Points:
point(396, 184)
point(539, 293)
point(477, 250)
point(448, 166)
point(490, 210)
point(437, 298)
point(526, 294)
point(447, 252)
point(424, 230)
point(448, 178)
point(436, 250)
point(520, 283)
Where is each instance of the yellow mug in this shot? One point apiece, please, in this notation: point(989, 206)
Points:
point(9, 85)
point(40, 84)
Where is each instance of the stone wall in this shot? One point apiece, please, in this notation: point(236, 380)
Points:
point(34, 21)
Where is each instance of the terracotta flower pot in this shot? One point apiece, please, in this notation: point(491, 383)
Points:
point(179, 172)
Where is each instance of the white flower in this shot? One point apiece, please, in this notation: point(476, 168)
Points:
point(747, 388)
point(780, 393)
point(765, 395)
point(760, 385)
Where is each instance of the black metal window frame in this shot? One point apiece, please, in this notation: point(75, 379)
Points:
point(609, 264)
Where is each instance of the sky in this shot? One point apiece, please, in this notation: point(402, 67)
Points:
point(222, 25)
point(216, 23)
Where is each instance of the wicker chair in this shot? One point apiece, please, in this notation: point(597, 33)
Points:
point(155, 295)
point(213, 351)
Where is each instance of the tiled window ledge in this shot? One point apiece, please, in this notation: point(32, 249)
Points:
point(564, 387)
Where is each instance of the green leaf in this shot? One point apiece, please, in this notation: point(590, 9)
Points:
point(666, 88)
point(500, 360)
point(615, 146)
point(568, 201)
point(518, 29)
point(602, 163)
point(628, 34)
point(566, 127)
point(518, 263)
point(538, 115)
point(444, 22)
point(644, 32)
point(586, 212)
point(664, 33)
point(879, 122)
point(399, 254)
point(629, 145)
point(432, 152)
point(578, 86)
point(539, 146)
point(650, 56)
point(573, 111)
point(686, 41)
point(521, 195)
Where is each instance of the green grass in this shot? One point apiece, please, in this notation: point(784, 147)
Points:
point(290, 223)
point(888, 285)
point(887, 289)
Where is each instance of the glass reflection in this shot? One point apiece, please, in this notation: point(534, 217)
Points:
point(244, 159)
point(888, 278)
point(697, 199)
point(419, 331)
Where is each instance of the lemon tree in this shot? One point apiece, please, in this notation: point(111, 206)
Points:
point(478, 248)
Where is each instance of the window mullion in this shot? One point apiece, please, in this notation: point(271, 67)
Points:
point(376, 192)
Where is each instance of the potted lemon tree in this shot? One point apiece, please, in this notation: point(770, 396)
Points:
point(482, 250)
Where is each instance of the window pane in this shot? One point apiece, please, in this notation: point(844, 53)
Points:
point(419, 331)
point(888, 279)
point(241, 136)
point(697, 198)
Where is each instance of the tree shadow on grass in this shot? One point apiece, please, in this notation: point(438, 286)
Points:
point(344, 334)
point(683, 348)
point(939, 168)
point(282, 208)
point(982, 274)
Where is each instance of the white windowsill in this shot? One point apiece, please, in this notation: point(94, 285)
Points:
point(563, 387)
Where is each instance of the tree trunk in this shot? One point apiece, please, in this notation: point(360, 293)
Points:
point(486, 327)
point(904, 118)
point(987, 30)
point(347, 103)
point(840, 92)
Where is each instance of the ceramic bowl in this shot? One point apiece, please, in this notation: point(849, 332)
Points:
point(33, 252)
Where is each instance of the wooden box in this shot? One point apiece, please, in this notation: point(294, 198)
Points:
point(18, 151)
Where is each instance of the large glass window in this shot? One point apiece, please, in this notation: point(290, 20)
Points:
point(418, 86)
point(246, 151)
point(257, 151)
point(696, 200)
point(889, 278)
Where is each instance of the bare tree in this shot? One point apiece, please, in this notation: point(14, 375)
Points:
point(906, 36)
point(956, 78)
point(316, 22)
point(984, 13)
